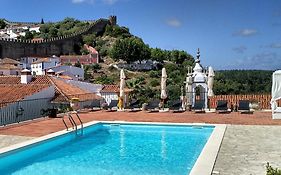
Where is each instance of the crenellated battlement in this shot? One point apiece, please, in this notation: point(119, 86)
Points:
point(16, 48)
point(81, 32)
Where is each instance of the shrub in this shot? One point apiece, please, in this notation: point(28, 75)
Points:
point(272, 171)
point(154, 82)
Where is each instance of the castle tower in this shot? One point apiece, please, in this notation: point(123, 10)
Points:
point(113, 20)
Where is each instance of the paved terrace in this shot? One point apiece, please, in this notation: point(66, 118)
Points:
point(247, 145)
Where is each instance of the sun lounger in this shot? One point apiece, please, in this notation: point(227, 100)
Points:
point(113, 106)
point(96, 105)
point(176, 106)
point(222, 106)
point(135, 106)
point(153, 106)
point(244, 107)
point(199, 106)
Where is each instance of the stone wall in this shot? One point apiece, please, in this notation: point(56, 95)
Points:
point(64, 45)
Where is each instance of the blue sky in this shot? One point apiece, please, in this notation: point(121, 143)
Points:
point(231, 34)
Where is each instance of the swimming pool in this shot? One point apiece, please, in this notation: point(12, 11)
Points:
point(112, 149)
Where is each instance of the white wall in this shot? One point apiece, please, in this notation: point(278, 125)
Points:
point(9, 72)
point(31, 105)
point(45, 93)
point(108, 96)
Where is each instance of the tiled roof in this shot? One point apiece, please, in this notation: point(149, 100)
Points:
point(8, 61)
point(71, 91)
point(113, 88)
point(9, 67)
point(90, 49)
point(15, 92)
point(39, 79)
point(66, 77)
point(74, 57)
point(63, 91)
point(42, 60)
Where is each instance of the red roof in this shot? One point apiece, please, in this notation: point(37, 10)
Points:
point(39, 79)
point(113, 88)
point(15, 92)
point(64, 90)
point(91, 49)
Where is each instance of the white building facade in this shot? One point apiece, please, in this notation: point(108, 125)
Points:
point(39, 67)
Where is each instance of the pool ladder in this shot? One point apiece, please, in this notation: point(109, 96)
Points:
point(73, 123)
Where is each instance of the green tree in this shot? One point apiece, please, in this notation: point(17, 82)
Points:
point(158, 54)
point(2, 24)
point(117, 31)
point(78, 64)
point(28, 35)
point(53, 32)
point(130, 50)
point(89, 39)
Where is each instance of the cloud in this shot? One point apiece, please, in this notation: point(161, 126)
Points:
point(245, 32)
point(275, 45)
point(107, 2)
point(78, 1)
point(174, 22)
point(240, 49)
point(260, 61)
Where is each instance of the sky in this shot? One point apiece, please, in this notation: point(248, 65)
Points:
point(231, 34)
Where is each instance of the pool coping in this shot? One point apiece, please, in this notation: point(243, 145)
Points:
point(204, 164)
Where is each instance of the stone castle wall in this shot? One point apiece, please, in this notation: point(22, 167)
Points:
point(64, 45)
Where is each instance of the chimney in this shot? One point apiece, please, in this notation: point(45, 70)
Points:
point(26, 76)
point(51, 72)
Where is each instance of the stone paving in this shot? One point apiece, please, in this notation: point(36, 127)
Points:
point(245, 150)
point(7, 140)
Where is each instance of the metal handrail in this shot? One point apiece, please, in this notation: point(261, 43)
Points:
point(81, 123)
point(73, 123)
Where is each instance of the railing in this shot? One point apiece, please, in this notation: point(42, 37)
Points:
point(73, 123)
point(19, 111)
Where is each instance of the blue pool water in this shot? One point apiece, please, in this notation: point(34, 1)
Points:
point(107, 149)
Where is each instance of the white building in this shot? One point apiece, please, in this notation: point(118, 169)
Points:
point(38, 67)
point(75, 73)
point(27, 61)
point(35, 28)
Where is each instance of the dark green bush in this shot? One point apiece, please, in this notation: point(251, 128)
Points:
point(272, 171)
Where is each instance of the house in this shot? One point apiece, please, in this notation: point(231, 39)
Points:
point(83, 59)
point(35, 29)
point(111, 92)
point(92, 57)
point(94, 53)
point(38, 67)
point(9, 66)
point(27, 61)
point(35, 94)
point(74, 73)
point(144, 65)
point(22, 100)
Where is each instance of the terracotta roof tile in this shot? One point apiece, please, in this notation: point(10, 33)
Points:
point(42, 60)
point(39, 79)
point(74, 57)
point(71, 91)
point(113, 88)
point(63, 91)
point(15, 92)
point(9, 61)
point(9, 67)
